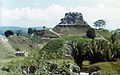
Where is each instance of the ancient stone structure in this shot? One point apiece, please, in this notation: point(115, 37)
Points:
point(72, 23)
point(47, 34)
point(72, 18)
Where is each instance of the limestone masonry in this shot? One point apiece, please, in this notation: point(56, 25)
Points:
point(72, 18)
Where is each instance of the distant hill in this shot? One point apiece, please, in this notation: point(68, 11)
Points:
point(117, 30)
point(37, 28)
point(15, 29)
point(12, 28)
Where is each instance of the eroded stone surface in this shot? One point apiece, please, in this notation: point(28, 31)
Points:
point(72, 18)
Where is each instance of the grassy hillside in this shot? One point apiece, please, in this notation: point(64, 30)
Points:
point(72, 30)
point(6, 50)
point(79, 30)
point(20, 42)
point(8, 47)
point(103, 32)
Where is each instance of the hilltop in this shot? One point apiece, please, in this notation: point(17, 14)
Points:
point(73, 23)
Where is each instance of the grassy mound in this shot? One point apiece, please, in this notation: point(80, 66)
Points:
point(109, 68)
point(20, 42)
point(71, 29)
point(6, 50)
point(103, 32)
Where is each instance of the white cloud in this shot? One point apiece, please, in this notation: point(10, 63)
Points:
point(51, 15)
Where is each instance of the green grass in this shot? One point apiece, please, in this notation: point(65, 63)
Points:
point(8, 73)
point(56, 48)
point(4, 73)
point(61, 61)
point(5, 61)
point(70, 31)
point(109, 68)
point(10, 59)
point(20, 42)
point(6, 50)
point(103, 32)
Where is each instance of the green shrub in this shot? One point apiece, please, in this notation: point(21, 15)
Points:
point(8, 33)
point(53, 49)
point(56, 48)
point(91, 33)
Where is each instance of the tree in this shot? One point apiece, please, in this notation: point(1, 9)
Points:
point(115, 45)
point(99, 23)
point(8, 33)
point(78, 52)
point(44, 27)
point(99, 51)
point(30, 31)
point(91, 33)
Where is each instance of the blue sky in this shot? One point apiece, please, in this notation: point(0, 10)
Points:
point(26, 13)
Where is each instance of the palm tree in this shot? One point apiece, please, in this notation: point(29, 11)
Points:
point(78, 52)
point(99, 51)
point(115, 45)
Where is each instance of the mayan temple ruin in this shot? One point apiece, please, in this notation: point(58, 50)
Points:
point(72, 18)
point(72, 21)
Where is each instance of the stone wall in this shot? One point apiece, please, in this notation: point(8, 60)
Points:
point(72, 18)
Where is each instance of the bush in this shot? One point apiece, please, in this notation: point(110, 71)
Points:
point(8, 33)
point(91, 33)
point(79, 50)
point(53, 49)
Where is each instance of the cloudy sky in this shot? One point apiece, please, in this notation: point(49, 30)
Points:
point(49, 12)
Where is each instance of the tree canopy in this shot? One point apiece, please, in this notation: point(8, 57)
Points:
point(30, 31)
point(91, 33)
point(8, 33)
point(99, 23)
